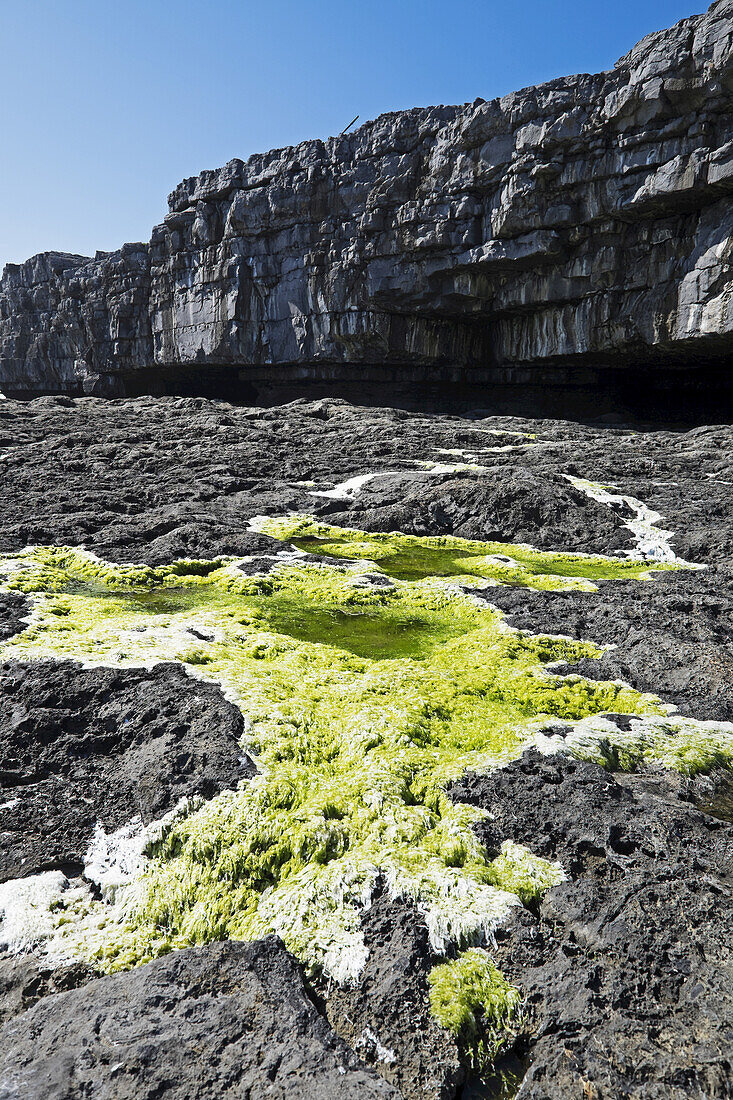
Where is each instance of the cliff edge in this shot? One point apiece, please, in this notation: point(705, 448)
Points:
point(579, 227)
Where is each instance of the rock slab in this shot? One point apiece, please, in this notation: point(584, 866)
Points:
point(228, 1020)
point(103, 747)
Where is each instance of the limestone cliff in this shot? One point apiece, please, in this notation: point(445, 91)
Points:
point(580, 226)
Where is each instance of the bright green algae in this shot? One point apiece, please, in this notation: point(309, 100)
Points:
point(354, 749)
point(674, 742)
point(413, 557)
point(362, 703)
point(471, 997)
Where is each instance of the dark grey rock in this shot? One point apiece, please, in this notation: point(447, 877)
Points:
point(627, 968)
point(228, 1019)
point(13, 609)
point(673, 637)
point(386, 1017)
point(552, 235)
point(154, 479)
point(106, 745)
point(502, 505)
point(24, 980)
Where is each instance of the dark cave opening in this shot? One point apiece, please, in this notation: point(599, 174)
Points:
point(644, 394)
point(222, 382)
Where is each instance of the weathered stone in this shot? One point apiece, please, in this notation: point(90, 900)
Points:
point(626, 967)
point(554, 234)
point(13, 609)
point(25, 979)
point(229, 1019)
point(69, 322)
point(676, 642)
point(386, 1017)
point(504, 505)
point(103, 746)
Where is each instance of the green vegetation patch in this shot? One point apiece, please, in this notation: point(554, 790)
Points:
point(673, 742)
point(362, 702)
point(413, 557)
point(471, 998)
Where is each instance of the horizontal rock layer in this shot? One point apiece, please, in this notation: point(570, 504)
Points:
point(553, 234)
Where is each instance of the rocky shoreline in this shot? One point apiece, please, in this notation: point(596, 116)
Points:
point(623, 968)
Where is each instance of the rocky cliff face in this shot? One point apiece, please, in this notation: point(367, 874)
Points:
point(565, 230)
point(72, 324)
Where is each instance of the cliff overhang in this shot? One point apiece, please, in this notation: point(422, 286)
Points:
point(575, 236)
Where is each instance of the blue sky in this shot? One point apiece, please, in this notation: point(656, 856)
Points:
point(107, 105)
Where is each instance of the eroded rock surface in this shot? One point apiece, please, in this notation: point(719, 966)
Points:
point(500, 505)
point(13, 611)
point(419, 1057)
point(229, 1019)
point(86, 747)
point(677, 641)
point(549, 236)
point(625, 968)
point(153, 479)
point(26, 979)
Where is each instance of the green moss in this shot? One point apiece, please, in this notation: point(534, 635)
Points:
point(410, 557)
point(526, 875)
point(472, 999)
point(362, 702)
point(676, 743)
point(694, 753)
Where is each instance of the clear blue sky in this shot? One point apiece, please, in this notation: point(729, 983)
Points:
point(107, 104)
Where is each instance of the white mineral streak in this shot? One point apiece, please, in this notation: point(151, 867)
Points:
point(50, 912)
point(436, 468)
point(327, 910)
point(457, 911)
point(670, 740)
point(114, 860)
point(473, 456)
point(347, 490)
point(28, 907)
point(370, 1041)
point(506, 431)
point(460, 912)
point(651, 542)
